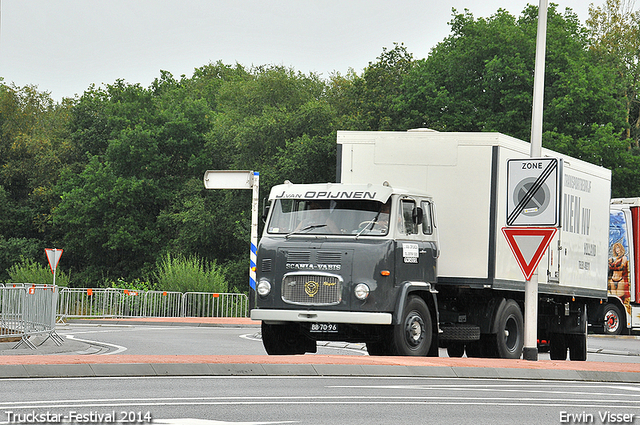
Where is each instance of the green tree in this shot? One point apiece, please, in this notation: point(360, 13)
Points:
point(34, 148)
point(141, 145)
point(615, 28)
point(272, 120)
point(480, 78)
point(367, 102)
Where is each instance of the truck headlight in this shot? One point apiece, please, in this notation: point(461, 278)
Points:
point(361, 291)
point(264, 288)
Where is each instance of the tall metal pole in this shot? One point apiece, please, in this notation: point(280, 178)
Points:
point(530, 351)
point(54, 267)
point(538, 81)
point(254, 229)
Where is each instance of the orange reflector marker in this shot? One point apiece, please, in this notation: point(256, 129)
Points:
point(215, 295)
point(164, 294)
point(89, 291)
point(385, 272)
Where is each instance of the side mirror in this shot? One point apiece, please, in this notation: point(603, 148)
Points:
point(417, 215)
point(266, 206)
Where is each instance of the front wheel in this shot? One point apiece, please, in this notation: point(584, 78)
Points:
point(413, 335)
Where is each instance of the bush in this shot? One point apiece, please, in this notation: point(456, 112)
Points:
point(237, 272)
point(137, 284)
point(29, 271)
point(190, 274)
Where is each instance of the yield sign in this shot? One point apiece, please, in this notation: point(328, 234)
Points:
point(53, 255)
point(528, 245)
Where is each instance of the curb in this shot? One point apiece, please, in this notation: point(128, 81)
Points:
point(304, 369)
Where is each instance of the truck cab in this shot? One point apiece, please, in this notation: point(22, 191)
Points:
point(621, 312)
point(348, 262)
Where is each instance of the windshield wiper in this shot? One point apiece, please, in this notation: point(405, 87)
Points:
point(374, 220)
point(304, 229)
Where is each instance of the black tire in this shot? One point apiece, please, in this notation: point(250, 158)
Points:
point(413, 335)
point(558, 347)
point(612, 320)
point(455, 349)
point(284, 340)
point(578, 347)
point(578, 342)
point(510, 331)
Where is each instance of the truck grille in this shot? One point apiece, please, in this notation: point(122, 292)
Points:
point(312, 289)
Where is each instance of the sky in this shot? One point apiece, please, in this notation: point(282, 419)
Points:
point(64, 46)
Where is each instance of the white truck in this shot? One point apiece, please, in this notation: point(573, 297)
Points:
point(440, 273)
point(621, 312)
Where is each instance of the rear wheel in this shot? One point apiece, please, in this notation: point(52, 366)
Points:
point(612, 319)
point(413, 335)
point(558, 346)
point(510, 331)
point(578, 342)
point(578, 347)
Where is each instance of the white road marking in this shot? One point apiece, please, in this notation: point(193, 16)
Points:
point(118, 348)
point(190, 421)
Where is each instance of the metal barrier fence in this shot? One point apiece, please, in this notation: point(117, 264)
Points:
point(112, 302)
point(26, 311)
point(203, 304)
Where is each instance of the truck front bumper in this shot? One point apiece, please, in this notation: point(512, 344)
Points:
point(318, 316)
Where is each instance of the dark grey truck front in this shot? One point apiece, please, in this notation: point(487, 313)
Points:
point(353, 263)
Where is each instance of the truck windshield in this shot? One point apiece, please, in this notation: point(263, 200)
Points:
point(329, 217)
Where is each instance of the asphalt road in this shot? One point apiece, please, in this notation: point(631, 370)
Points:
point(115, 373)
point(215, 340)
point(319, 400)
point(190, 347)
point(91, 337)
